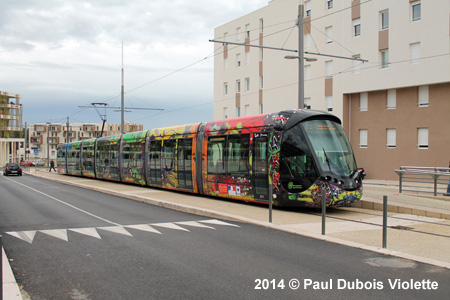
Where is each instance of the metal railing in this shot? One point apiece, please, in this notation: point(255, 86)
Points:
point(433, 180)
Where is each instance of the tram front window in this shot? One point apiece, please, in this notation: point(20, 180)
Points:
point(331, 146)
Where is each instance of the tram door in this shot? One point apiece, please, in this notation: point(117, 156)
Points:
point(260, 167)
point(184, 164)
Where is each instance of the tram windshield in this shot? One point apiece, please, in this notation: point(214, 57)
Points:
point(331, 147)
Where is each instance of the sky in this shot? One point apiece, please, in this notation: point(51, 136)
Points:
point(61, 55)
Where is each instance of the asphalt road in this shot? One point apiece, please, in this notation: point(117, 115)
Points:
point(66, 242)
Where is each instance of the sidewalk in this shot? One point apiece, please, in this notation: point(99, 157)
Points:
point(418, 225)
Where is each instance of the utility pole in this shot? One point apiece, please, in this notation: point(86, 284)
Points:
point(301, 63)
point(122, 109)
point(67, 133)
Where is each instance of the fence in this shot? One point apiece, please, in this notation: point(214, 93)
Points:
point(426, 179)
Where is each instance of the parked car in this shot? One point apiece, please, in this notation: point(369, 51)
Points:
point(39, 163)
point(12, 168)
point(28, 163)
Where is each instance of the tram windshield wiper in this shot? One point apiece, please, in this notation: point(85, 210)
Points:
point(331, 163)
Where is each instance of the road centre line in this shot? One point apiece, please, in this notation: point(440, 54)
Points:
point(65, 203)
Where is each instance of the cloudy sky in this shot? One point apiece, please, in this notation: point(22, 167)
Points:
point(62, 54)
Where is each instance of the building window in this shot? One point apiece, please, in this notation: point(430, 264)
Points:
point(329, 69)
point(363, 138)
point(238, 111)
point(357, 27)
point(238, 33)
point(308, 8)
point(308, 72)
point(238, 86)
point(225, 64)
point(329, 101)
point(414, 52)
point(384, 58)
point(329, 34)
point(247, 84)
point(261, 108)
point(384, 19)
point(416, 11)
point(225, 112)
point(423, 97)
point(329, 4)
point(238, 60)
point(261, 82)
point(391, 99)
point(422, 138)
point(247, 109)
point(363, 101)
point(391, 138)
point(308, 103)
point(247, 30)
point(225, 88)
point(308, 40)
point(247, 57)
point(261, 25)
point(356, 64)
point(261, 53)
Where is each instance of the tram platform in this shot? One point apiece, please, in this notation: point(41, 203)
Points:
point(418, 223)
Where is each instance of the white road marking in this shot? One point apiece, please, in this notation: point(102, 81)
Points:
point(29, 236)
point(116, 229)
point(143, 227)
point(170, 225)
point(87, 231)
point(57, 233)
point(194, 224)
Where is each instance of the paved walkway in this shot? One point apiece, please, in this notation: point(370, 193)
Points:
point(418, 224)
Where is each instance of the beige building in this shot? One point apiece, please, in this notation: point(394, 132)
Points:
point(11, 130)
point(44, 138)
point(394, 107)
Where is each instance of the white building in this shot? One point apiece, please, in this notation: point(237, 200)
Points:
point(393, 107)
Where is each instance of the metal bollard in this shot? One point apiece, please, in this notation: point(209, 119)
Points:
point(324, 209)
point(1, 268)
point(385, 201)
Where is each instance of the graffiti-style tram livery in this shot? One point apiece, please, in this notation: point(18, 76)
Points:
point(292, 154)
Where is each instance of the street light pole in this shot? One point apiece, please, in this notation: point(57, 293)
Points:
point(301, 63)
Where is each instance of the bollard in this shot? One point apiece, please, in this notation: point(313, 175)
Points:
point(1, 268)
point(324, 208)
point(385, 201)
point(270, 206)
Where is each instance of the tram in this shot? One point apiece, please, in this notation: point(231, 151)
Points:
point(294, 156)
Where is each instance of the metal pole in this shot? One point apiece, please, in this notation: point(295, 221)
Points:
point(301, 63)
point(67, 134)
point(1, 268)
point(122, 109)
point(324, 207)
point(270, 191)
point(385, 201)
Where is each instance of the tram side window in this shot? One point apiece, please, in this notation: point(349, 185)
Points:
point(238, 151)
point(216, 162)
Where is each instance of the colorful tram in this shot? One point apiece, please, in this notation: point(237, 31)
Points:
point(295, 155)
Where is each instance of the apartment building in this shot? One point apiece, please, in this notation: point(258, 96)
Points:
point(394, 107)
point(11, 130)
point(44, 138)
